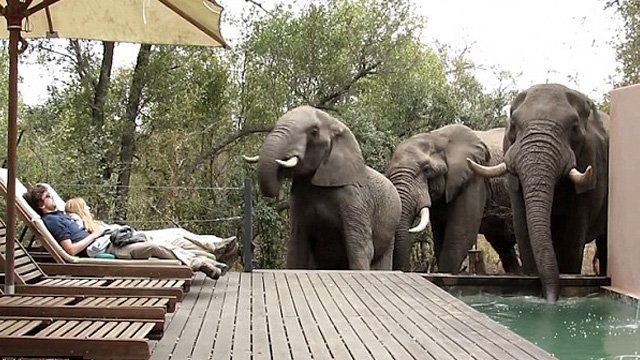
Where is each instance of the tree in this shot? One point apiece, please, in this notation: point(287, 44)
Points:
point(628, 48)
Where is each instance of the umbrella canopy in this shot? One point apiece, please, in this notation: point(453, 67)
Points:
point(176, 22)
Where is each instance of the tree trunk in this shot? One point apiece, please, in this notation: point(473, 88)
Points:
point(100, 95)
point(127, 140)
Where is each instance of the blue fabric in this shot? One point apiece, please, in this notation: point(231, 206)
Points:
point(62, 227)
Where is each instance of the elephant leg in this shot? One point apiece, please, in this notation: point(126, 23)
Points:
point(602, 253)
point(504, 246)
point(522, 234)
point(570, 246)
point(437, 229)
point(298, 249)
point(384, 262)
point(464, 215)
point(359, 245)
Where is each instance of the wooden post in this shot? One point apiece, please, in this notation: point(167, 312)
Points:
point(476, 262)
point(248, 233)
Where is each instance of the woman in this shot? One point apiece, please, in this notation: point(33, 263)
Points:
point(192, 249)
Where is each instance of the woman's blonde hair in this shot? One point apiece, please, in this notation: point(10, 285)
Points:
point(78, 206)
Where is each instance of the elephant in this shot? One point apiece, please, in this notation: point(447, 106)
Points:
point(556, 161)
point(430, 172)
point(343, 213)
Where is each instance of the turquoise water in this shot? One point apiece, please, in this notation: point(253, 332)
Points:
point(593, 327)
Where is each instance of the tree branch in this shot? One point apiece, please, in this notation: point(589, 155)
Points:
point(329, 100)
point(220, 145)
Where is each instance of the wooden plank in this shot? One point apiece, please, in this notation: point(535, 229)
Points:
point(190, 333)
point(491, 342)
point(277, 335)
point(204, 344)
point(429, 316)
point(499, 338)
point(333, 339)
point(259, 321)
point(327, 291)
point(295, 336)
point(242, 344)
point(374, 316)
point(412, 337)
point(406, 317)
point(164, 349)
point(224, 335)
point(312, 333)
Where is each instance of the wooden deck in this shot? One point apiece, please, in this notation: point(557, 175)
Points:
point(332, 315)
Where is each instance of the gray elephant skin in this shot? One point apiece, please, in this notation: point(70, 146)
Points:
point(556, 157)
point(430, 172)
point(343, 213)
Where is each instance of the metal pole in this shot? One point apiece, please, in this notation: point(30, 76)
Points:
point(248, 234)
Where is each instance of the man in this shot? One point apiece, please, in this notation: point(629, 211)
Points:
point(75, 239)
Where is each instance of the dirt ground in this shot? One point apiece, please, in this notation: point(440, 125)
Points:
point(493, 266)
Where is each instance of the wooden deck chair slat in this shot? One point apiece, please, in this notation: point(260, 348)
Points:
point(91, 329)
point(32, 276)
point(78, 329)
point(119, 329)
point(130, 330)
point(67, 325)
point(5, 325)
point(102, 349)
point(21, 261)
point(104, 329)
point(21, 327)
point(142, 332)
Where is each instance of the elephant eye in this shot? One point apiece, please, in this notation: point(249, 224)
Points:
point(315, 131)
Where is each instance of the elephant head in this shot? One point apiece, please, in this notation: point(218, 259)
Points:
point(429, 168)
point(307, 143)
point(554, 134)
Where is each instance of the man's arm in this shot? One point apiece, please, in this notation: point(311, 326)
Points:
point(74, 248)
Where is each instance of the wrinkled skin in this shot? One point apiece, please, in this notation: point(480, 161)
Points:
point(343, 213)
point(430, 170)
point(552, 130)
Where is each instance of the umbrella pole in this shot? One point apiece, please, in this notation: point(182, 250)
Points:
point(14, 27)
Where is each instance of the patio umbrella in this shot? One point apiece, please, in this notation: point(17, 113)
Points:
point(175, 22)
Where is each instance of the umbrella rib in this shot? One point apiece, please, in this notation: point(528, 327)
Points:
point(40, 6)
point(195, 23)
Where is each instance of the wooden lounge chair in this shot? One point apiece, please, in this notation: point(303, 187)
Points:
point(65, 264)
point(110, 307)
point(31, 279)
point(74, 338)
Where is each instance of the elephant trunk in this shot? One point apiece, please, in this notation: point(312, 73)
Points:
point(539, 170)
point(412, 201)
point(269, 176)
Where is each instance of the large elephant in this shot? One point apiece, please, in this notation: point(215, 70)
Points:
point(343, 213)
point(556, 151)
point(431, 175)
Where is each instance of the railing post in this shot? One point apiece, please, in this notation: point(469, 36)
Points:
point(248, 234)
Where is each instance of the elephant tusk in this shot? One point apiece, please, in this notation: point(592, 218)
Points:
point(424, 221)
point(251, 159)
point(579, 178)
point(291, 162)
point(487, 171)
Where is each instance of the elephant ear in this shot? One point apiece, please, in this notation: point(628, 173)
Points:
point(591, 152)
point(462, 144)
point(344, 164)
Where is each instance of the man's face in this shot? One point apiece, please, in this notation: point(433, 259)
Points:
point(47, 203)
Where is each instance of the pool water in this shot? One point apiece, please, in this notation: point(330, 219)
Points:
point(592, 327)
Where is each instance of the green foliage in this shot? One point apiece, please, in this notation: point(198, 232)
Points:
point(361, 60)
point(628, 48)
